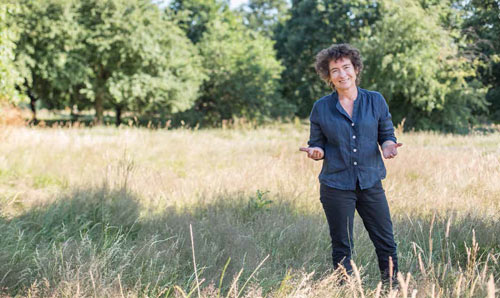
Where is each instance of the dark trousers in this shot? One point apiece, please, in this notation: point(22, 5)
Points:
point(371, 203)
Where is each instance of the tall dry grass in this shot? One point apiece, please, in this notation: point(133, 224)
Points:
point(107, 212)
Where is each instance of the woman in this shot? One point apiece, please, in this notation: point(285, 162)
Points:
point(346, 128)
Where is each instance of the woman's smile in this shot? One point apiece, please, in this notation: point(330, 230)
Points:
point(342, 73)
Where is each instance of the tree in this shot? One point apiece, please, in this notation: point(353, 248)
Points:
point(415, 63)
point(46, 34)
point(314, 25)
point(241, 66)
point(137, 58)
point(9, 76)
point(124, 55)
point(194, 16)
point(482, 27)
point(264, 16)
point(243, 75)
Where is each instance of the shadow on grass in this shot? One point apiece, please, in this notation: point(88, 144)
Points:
point(46, 242)
point(100, 241)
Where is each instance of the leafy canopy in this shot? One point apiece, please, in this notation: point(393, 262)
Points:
point(415, 63)
point(9, 76)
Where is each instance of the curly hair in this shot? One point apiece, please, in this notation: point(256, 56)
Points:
point(336, 52)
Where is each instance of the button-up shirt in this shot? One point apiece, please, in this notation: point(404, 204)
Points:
point(351, 144)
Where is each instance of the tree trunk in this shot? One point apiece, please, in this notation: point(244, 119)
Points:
point(32, 100)
point(118, 115)
point(74, 113)
point(32, 106)
point(99, 110)
point(75, 96)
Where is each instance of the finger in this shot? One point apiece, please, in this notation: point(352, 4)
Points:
point(399, 145)
point(304, 149)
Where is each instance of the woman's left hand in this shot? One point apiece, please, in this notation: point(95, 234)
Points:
point(390, 149)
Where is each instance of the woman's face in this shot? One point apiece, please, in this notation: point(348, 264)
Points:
point(343, 74)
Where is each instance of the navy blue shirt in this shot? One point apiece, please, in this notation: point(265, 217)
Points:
point(351, 144)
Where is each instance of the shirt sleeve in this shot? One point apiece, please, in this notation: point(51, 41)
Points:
point(385, 126)
point(316, 136)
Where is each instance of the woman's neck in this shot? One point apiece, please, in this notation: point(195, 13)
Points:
point(349, 94)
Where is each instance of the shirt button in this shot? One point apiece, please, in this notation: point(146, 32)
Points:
point(353, 137)
point(354, 150)
point(355, 163)
point(352, 124)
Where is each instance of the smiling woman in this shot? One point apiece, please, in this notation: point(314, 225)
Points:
point(346, 128)
point(343, 75)
point(329, 64)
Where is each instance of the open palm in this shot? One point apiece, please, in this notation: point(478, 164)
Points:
point(390, 150)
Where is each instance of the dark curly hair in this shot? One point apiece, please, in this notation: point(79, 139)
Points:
point(336, 52)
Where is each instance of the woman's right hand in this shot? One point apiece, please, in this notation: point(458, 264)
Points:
point(315, 153)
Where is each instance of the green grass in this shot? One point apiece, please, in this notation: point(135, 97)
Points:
point(107, 212)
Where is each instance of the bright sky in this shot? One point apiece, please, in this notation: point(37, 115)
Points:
point(234, 3)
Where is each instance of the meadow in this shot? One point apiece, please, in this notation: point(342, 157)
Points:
point(130, 212)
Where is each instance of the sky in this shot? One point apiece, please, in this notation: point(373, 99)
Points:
point(233, 3)
point(236, 3)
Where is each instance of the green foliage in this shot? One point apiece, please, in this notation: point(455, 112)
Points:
point(110, 54)
point(259, 202)
point(482, 28)
point(138, 59)
point(414, 62)
point(312, 26)
point(256, 207)
point(203, 63)
point(195, 15)
point(241, 66)
point(9, 76)
point(264, 16)
point(243, 74)
point(46, 36)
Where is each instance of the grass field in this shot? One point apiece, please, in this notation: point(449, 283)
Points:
point(107, 212)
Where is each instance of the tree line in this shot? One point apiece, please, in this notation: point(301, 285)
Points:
point(436, 62)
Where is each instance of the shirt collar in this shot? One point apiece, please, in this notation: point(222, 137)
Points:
point(339, 107)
